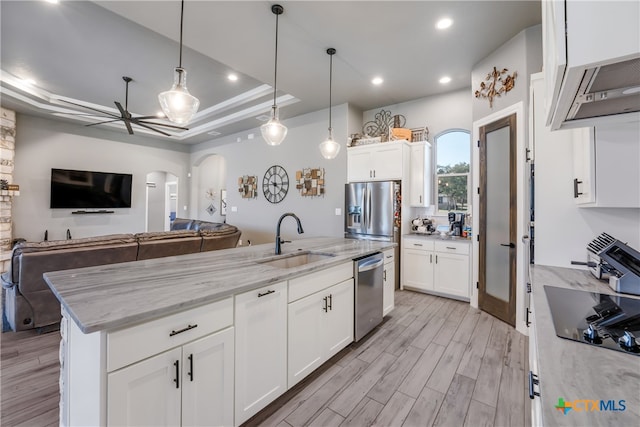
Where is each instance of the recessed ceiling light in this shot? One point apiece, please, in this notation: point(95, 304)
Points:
point(377, 81)
point(444, 23)
point(232, 77)
point(444, 80)
point(52, 1)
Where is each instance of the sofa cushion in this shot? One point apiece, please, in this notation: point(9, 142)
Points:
point(217, 229)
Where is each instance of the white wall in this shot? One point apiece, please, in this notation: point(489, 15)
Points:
point(439, 113)
point(211, 178)
point(257, 218)
point(44, 144)
point(563, 229)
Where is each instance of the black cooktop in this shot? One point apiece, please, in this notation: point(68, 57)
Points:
point(602, 320)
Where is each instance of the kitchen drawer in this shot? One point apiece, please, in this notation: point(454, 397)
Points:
point(452, 247)
point(423, 244)
point(302, 286)
point(130, 345)
point(389, 255)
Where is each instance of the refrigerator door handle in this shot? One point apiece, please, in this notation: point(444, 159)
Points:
point(369, 207)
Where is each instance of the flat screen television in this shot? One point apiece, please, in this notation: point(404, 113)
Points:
point(71, 189)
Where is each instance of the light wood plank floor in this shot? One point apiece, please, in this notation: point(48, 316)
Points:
point(433, 361)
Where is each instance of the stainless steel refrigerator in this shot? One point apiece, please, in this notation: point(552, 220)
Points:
point(373, 212)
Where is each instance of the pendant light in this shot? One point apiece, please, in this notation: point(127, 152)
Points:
point(178, 104)
point(273, 131)
point(329, 148)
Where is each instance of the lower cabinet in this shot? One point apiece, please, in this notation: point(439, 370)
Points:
point(261, 349)
point(190, 385)
point(320, 325)
point(437, 266)
point(389, 282)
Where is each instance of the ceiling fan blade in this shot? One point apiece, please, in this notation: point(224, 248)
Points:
point(104, 122)
point(145, 117)
point(153, 129)
point(125, 113)
point(137, 120)
point(127, 123)
point(90, 108)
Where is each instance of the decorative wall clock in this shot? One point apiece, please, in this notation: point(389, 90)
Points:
point(275, 184)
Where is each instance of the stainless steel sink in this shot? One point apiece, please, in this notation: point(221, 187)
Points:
point(296, 260)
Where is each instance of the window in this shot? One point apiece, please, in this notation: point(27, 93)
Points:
point(453, 159)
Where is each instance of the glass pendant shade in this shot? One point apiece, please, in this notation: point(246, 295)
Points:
point(178, 104)
point(329, 148)
point(273, 131)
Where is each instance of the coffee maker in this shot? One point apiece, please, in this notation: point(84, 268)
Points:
point(456, 223)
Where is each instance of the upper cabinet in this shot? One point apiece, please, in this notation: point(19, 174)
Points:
point(606, 172)
point(591, 56)
point(420, 175)
point(377, 162)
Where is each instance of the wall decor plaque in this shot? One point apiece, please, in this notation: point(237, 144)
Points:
point(310, 182)
point(248, 186)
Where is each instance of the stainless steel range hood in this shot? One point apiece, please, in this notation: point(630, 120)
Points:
point(607, 90)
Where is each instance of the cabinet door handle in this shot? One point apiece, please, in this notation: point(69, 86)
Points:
point(420, 198)
point(576, 193)
point(190, 373)
point(370, 174)
point(508, 245)
point(177, 378)
point(533, 380)
point(325, 306)
point(436, 259)
point(384, 275)
point(527, 318)
point(270, 291)
point(431, 258)
point(188, 328)
point(330, 302)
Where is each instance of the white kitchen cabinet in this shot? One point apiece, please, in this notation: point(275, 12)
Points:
point(128, 376)
point(417, 264)
point(606, 172)
point(261, 349)
point(420, 175)
point(190, 385)
point(377, 162)
point(389, 281)
point(451, 269)
point(320, 324)
point(440, 267)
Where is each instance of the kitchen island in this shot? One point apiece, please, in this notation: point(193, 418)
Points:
point(575, 372)
point(207, 337)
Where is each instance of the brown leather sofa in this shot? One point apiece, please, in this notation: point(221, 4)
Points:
point(29, 303)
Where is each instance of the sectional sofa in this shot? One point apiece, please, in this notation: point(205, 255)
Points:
point(29, 303)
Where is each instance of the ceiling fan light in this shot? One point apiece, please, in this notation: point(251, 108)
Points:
point(273, 132)
point(177, 103)
point(329, 148)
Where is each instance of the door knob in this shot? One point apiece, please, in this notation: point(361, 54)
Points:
point(511, 245)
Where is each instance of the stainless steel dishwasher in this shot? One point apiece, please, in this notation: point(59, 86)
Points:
point(368, 293)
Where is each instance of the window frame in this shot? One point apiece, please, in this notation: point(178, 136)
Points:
point(437, 211)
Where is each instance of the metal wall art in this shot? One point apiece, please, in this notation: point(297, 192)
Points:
point(499, 83)
point(248, 186)
point(381, 123)
point(310, 182)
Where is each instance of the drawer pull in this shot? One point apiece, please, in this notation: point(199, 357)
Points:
point(417, 244)
point(533, 380)
point(177, 378)
point(451, 247)
point(188, 328)
point(265, 293)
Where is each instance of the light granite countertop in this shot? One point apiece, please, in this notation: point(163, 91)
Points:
point(572, 370)
point(118, 295)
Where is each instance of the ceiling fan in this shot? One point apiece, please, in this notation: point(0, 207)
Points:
point(126, 117)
